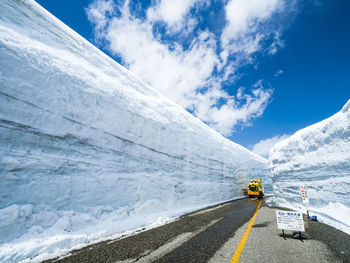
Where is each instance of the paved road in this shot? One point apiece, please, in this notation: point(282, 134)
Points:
point(193, 238)
point(265, 243)
point(212, 235)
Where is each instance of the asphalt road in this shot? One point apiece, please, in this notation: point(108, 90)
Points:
point(193, 238)
point(213, 234)
point(265, 243)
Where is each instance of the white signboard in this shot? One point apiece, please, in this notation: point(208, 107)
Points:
point(304, 194)
point(289, 220)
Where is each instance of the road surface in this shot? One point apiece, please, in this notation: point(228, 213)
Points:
point(213, 235)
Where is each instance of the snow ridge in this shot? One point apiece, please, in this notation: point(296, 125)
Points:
point(88, 151)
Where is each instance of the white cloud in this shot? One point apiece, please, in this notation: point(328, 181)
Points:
point(171, 12)
point(243, 16)
point(239, 109)
point(278, 73)
point(263, 147)
point(98, 13)
point(276, 44)
point(246, 30)
point(192, 76)
point(174, 72)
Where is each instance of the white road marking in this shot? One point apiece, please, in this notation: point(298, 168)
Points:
point(149, 256)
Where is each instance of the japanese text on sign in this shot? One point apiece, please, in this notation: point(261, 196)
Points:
point(304, 194)
point(289, 220)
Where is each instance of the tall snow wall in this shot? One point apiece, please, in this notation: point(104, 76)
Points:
point(87, 150)
point(317, 157)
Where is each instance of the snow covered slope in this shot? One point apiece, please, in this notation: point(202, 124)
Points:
point(87, 150)
point(319, 158)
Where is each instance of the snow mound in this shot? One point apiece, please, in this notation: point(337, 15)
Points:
point(318, 157)
point(88, 151)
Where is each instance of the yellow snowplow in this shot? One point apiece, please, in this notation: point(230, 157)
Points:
point(255, 189)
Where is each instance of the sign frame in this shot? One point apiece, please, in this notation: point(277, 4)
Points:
point(290, 220)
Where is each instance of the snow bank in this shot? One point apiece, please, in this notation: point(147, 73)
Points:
point(89, 151)
point(319, 158)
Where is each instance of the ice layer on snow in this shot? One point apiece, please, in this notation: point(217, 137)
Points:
point(88, 150)
point(317, 157)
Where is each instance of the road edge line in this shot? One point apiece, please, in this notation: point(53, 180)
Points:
point(241, 244)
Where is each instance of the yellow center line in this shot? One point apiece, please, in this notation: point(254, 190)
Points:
point(241, 244)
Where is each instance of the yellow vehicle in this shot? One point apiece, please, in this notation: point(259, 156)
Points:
point(255, 189)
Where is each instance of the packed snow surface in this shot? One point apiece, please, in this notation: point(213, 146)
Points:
point(317, 157)
point(88, 151)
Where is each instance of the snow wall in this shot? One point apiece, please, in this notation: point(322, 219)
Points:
point(88, 151)
point(317, 157)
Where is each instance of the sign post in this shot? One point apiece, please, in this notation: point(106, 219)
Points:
point(289, 220)
point(305, 198)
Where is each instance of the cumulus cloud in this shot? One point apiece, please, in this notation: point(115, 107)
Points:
point(98, 13)
point(175, 72)
point(187, 63)
point(244, 17)
point(238, 109)
point(263, 147)
point(171, 12)
point(246, 30)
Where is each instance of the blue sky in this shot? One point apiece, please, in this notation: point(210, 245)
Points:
point(256, 71)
